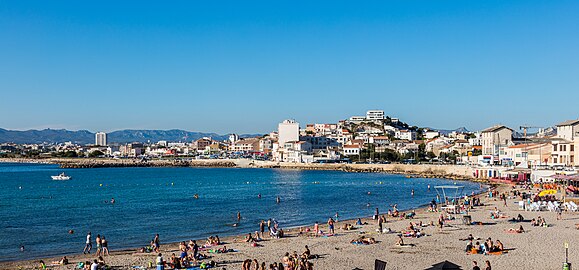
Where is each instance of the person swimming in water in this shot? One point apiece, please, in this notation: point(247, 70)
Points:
point(278, 200)
point(238, 215)
point(112, 200)
point(259, 196)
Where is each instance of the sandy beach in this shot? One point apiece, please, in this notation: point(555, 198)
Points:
point(538, 248)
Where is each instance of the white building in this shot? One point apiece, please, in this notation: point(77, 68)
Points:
point(568, 130)
point(495, 137)
point(375, 115)
point(431, 134)
point(100, 139)
point(405, 135)
point(351, 150)
point(288, 130)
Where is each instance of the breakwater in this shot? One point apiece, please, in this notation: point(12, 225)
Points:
point(458, 172)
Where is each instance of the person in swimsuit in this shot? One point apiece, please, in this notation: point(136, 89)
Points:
point(316, 228)
point(99, 245)
point(88, 245)
point(331, 225)
point(105, 246)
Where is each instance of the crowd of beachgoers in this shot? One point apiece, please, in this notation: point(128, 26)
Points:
point(489, 218)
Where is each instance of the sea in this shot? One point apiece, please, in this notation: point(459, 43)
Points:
point(37, 212)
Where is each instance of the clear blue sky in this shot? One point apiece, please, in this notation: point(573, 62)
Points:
point(243, 66)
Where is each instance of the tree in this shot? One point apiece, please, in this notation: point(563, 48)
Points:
point(96, 153)
point(70, 154)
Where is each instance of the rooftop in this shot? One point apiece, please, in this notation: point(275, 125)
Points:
point(569, 123)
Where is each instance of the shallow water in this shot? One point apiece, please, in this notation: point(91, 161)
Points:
point(38, 212)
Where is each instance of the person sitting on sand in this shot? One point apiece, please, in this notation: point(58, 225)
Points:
point(520, 218)
point(400, 241)
point(469, 246)
point(347, 227)
point(249, 238)
point(256, 237)
point(470, 237)
point(534, 222)
point(498, 246)
point(359, 222)
point(307, 253)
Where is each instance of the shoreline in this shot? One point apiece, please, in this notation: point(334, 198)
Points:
point(452, 172)
point(172, 247)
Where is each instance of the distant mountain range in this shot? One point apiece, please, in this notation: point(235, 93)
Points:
point(120, 136)
point(448, 131)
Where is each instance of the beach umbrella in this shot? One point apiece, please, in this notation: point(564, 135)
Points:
point(547, 192)
point(444, 266)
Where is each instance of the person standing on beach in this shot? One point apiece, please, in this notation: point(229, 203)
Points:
point(195, 250)
point(376, 213)
point(316, 228)
point(157, 243)
point(105, 245)
point(99, 245)
point(337, 216)
point(88, 245)
point(262, 227)
point(331, 225)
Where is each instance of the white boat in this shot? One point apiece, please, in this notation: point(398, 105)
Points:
point(61, 176)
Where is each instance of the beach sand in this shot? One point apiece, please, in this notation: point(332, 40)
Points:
point(538, 248)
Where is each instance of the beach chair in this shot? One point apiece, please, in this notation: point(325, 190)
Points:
point(379, 265)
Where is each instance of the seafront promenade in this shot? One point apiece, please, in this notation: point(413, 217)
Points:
point(459, 172)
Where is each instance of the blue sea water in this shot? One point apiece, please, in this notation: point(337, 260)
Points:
point(38, 212)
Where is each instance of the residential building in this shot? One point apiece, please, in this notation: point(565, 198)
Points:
point(246, 145)
point(404, 134)
point(351, 150)
point(431, 134)
point(375, 115)
point(495, 137)
point(568, 130)
point(101, 139)
point(288, 130)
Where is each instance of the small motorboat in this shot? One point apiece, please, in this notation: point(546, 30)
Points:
point(61, 176)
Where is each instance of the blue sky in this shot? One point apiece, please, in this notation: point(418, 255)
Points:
point(243, 66)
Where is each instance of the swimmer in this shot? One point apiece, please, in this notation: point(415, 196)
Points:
point(235, 224)
point(238, 215)
point(112, 200)
point(369, 193)
point(368, 205)
point(70, 231)
point(428, 187)
point(22, 248)
point(412, 192)
point(277, 200)
point(196, 196)
point(259, 196)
